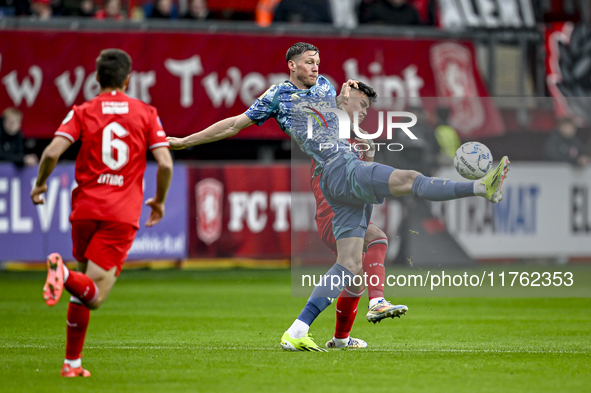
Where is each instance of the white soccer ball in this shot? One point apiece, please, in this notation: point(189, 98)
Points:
point(473, 160)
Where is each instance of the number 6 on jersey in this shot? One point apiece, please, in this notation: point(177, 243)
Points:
point(112, 145)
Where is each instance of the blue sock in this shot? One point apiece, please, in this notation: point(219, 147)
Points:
point(438, 189)
point(324, 293)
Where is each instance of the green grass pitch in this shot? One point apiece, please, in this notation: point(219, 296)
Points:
point(219, 331)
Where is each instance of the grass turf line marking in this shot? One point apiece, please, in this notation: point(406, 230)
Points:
point(452, 350)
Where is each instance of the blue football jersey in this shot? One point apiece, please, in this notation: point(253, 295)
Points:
point(297, 110)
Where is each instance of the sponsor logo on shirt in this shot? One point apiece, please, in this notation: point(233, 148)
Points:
point(111, 180)
point(115, 107)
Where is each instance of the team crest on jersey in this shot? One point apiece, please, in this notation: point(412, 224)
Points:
point(322, 90)
point(115, 107)
point(68, 117)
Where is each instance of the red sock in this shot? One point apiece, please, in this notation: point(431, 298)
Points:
point(78, 317)
point(81, 286)
point(373, 265)
point(346, 313)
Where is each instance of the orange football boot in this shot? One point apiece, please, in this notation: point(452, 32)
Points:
point(70, 372)
point(54, 284)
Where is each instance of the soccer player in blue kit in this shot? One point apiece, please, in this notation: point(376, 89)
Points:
point(351, 186)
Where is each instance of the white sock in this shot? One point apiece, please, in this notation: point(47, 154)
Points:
point(298, 329)
point(66, 273)
point(341, 342)
point(479, 189)
point(73, 363)
point(375, 301)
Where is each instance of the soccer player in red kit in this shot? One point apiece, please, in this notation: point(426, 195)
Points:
point(116, 131)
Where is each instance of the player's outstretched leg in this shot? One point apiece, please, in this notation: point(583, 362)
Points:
point(389, 182)
point(438, 189)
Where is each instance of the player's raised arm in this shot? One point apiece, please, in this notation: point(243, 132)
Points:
point(163, 178)
point(48, 161)
point(371, 150)
point(220, 130)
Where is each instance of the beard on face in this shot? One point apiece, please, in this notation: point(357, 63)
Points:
point(307, 82)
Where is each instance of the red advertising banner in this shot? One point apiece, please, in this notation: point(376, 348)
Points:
point(239, 211)
point(248, 211)
point(196, 79)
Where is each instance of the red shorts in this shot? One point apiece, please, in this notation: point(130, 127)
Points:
point(105, 243)
point(324, 216)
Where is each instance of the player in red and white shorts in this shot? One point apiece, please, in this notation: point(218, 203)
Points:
point(375, 242)
point(116, 131)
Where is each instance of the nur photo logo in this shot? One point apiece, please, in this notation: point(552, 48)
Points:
point(393, 121)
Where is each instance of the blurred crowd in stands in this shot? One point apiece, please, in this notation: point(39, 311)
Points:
point(340, 13)
point(346, 14)
point(13, 145)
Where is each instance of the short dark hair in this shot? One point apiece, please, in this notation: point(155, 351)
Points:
point(298, 49)
point(112, 67)
point(368, 91)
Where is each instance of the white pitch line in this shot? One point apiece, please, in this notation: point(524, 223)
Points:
point(451, 350)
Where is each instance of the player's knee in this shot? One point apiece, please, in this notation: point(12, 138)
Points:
point(374, 233)
point(401, 182)
point(351, 263)
point(100, 297)
point(93, 306)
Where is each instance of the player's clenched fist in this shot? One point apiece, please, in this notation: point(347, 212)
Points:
point(176, 143)
point(36, 194)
